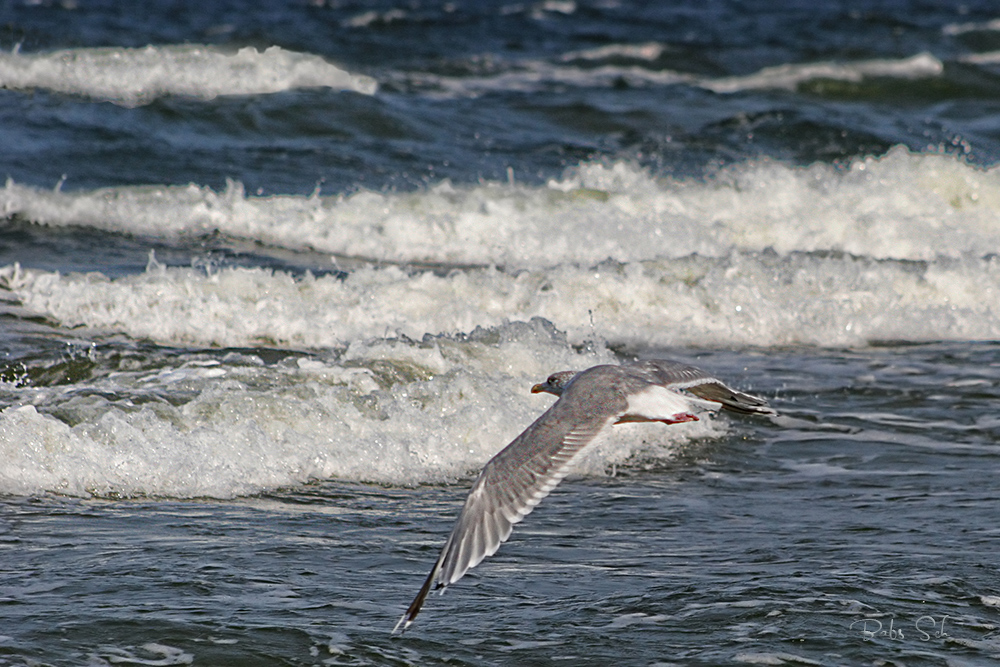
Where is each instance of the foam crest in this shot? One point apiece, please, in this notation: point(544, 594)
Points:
point(648, 51)
point(137, 76)
point(790, 76)
point(984, 58)
point(954, 29)
point(637, 65)
point(901, 206)
point(740, 299)
point(390, 411)
point(535, 75)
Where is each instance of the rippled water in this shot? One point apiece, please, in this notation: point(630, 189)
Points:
point(859, 529)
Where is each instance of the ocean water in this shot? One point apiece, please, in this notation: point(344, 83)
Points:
point(275, 282)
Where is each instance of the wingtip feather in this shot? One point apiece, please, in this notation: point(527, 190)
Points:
point(402, 624)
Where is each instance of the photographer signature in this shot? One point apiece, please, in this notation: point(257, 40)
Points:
point(927, 627)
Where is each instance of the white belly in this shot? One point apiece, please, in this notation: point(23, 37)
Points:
point(657, 403)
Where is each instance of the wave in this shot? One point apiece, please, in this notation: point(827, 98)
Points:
point(392, 411)
point(898, 247)
point(133, 77)
point(791, 76)
point(983, 58)
point(643, 65)
point(903, 206)
point(954, 29)
point(743, 299)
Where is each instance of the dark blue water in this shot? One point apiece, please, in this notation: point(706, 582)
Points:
point(863, 534)
point(859, 529)
point(405, 137)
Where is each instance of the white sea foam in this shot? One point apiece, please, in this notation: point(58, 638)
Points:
point(740, 299)
point(978, 26)
point(367, 19)
point(984, 58)
point(648, 51)
point(900, 247)
point(532, 73)
point(386, 411)
point(138, 76)
point(901, 206)
point(790, 76)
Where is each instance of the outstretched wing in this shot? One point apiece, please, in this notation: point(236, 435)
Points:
point(513, 483)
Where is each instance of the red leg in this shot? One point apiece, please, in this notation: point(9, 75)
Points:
point(679, 418)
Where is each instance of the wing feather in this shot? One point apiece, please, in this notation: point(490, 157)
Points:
point(510, 487)
point(517, 479)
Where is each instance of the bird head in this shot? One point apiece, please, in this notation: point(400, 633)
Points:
point(555, 383)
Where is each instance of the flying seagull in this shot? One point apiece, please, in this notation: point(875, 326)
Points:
point(526, 470)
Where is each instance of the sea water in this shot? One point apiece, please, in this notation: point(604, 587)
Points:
point(275, 283)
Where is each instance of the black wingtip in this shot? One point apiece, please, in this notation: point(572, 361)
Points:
point(731, 399)
point(411, 612)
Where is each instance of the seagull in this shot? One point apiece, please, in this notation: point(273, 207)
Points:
point(514, 481)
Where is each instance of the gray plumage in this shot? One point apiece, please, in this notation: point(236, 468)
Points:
point(514, 481)
point(678, 377)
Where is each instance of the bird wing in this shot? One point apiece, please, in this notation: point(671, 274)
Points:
point(678, 376)
point(517, 479)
